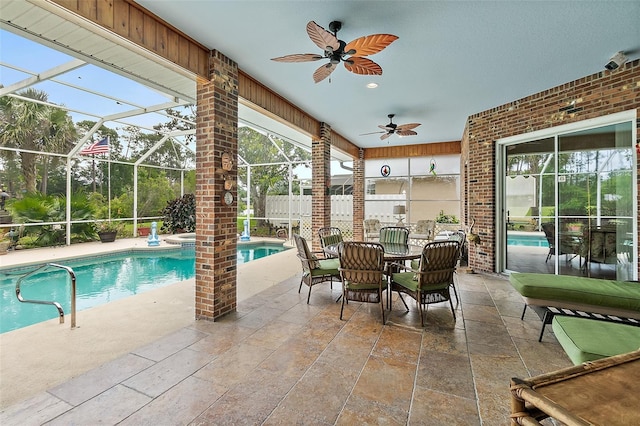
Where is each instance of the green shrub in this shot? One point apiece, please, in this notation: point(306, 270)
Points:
point(180, 214)
point(36, 207)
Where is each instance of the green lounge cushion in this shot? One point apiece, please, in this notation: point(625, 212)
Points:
point(587, 291)
point(586, 339)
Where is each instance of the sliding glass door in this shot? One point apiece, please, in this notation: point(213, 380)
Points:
point(569, 202)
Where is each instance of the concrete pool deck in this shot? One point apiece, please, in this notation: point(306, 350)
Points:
point(38, 357)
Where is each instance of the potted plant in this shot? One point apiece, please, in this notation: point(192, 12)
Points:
point(144, 231)
point(108, 230)
point(446, 223)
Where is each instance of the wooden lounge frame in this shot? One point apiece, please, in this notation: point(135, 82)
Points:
point(602, 392)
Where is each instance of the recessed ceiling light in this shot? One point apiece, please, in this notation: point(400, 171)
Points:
point(372, 85)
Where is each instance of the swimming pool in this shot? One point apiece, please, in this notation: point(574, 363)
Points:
point(527, 240)
point(102, 279)
point(252, 251)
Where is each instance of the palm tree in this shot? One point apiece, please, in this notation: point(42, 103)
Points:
point(34, 127)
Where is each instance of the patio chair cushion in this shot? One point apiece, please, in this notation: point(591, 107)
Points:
point(410, 281)
point(326, 267)
point(364, 286)
point(586, 339)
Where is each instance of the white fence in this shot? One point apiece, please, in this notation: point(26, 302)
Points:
point(282, 209)
point(277, 212)
point(278, 207)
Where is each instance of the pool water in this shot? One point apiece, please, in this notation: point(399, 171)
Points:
point(527, 240)
point(253, 251)
point(101, 279)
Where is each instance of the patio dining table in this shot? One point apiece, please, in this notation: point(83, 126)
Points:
point(393, 253)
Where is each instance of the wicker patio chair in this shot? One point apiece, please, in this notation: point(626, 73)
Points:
point(330, 236)
point(314, 269)
point(394, 235)
point(371, 229)
point(361, 268)
point(431, 282)
point(568, 244)
point(424, 230)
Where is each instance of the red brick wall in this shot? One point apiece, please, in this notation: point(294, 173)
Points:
point(600, 94)
point(216, 229)
point(320, 183)
point(358, 196)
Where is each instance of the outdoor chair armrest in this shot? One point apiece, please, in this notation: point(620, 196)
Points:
point(319, 254)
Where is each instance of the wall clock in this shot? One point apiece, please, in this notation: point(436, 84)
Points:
point(227, 198)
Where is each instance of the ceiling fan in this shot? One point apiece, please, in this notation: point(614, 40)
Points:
point(352, 54)
point(398, 129)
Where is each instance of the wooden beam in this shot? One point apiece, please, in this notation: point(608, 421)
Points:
point(420, 150)
point(141, 27)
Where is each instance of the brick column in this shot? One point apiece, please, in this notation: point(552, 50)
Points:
point(358, 196)
point(216, 229)
point(320, 183)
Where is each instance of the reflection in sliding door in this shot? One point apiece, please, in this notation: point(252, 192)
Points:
point(595, 200)
point(529, 191)
point(569, 203)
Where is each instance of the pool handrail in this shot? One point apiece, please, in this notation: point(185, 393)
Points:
point(56, 304)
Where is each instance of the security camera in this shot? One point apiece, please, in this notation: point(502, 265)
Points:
point(616, 61)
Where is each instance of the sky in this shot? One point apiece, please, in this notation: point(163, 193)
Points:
point(28, 56)
point(21, 58)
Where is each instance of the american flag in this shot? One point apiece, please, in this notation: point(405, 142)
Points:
point(100, 147)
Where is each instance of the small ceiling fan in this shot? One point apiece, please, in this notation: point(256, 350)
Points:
point(398, 129)
point(352, 54)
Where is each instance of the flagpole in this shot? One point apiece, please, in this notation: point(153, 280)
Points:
point(93, 172)
point(109, 174)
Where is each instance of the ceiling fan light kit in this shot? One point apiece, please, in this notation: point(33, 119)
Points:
point(392, 128)
point(352, 54)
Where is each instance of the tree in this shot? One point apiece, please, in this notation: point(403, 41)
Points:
point(256, 148)
point(33, 127)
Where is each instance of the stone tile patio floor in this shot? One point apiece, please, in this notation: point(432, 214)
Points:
point(279, 361)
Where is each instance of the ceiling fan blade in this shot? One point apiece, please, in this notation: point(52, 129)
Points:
point(386, 135)
point(372, 133)
point(362, 66)
point(298, 57)
point(406, 133)
point(323, 72)
point(321, 37)
point(409, 126)
point(368, 45)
